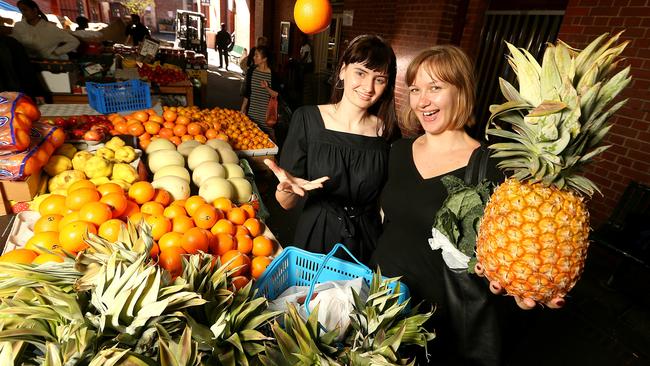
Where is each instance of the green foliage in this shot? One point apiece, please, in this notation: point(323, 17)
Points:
point(137, 6)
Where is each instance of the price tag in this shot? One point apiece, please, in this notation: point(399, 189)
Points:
point(149, 48)
point(93, 69)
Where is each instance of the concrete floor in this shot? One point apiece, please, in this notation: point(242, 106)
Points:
point(599, 326)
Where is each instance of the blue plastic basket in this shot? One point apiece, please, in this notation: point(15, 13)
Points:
point(297, 267)
point(130, 95)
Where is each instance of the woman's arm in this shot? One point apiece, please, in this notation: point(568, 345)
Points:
point(68, 43)
point(266, 86)
point(244, 105)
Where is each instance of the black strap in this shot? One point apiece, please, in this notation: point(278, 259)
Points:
point(479, 157)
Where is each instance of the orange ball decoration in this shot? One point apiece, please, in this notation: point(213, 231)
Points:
point(312, 16)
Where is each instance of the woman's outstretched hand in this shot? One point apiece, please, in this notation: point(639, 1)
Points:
point(290, 184)
point(525, 303)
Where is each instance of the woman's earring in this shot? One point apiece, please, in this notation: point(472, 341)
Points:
point(339, 84)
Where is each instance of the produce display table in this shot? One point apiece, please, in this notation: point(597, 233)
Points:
point(184, 87)
point(64, 110)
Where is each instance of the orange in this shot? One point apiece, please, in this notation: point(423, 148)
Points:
point(206, 215)
point(144, 144)
point(84, 183)
point(117, 202)
point(72, 235)
point(224, 226)
point(152, 208)
point(141, 116)
point(166, 132)
point(179, 203)
point(181, 224)
point(173, 211)
point(222, 244)
point(187, 138)
point(163, 197)
point(79, 197)
point(95, 213)
point(121, 127)
point(250, 210)
point(195, 240)
point(110, 229)
point(200, 138)
point(182, 120)
point(193, 203)
point(48, 222)
point(160, 225)
point(44, 240)
point(180, 130)
point(237, 216)
point(131, 209)
point(46, 258)
point(234, 259)
point(211, 133)
point(194, 129)
point(239, 282)
point(169, 116)
point(263, 246)
point(21, 255)
point(57, 137)
point(152, 127)
point(254, 226)
point(141, 192)
point(176, 140)
point(171, 239)
point(107, 188)
point(52, 205)
point(222, 203)
point(136, 129)
point(68, 218)
point(137, 217)
point(156, 118)
point(258, 266)
point(241, 230)
point(155, 250)
point(244, 244)
point(171, 260)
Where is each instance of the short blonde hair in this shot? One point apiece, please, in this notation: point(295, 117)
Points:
point(451, 65)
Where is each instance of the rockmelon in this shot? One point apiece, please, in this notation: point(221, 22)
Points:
point(160, 144)
point(179, 188)
point(201, 154)
point(218, 144)
point(186, 147)
point(243, 189)
point(233, 170)
point(162, 158)
point(175, 170)
point(228, 156)
point(207, 170)
point(215, 187)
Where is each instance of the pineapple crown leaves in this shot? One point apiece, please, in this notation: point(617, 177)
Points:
point(559, 114)
point(128, 296)
point(117, 356)
point(181, 353)
point(15, 276)
point(460, 214)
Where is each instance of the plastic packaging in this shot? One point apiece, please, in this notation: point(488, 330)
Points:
point(17, 112)
point(18, 165)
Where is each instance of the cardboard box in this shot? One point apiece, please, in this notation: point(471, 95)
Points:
point(21, 190)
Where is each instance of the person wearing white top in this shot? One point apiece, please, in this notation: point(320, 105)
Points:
point(41, 38)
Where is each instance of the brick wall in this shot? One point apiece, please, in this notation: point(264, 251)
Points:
point(629, 157)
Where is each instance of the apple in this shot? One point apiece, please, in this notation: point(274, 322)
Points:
point(93, 135)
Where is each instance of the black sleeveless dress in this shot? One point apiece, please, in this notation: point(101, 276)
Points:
point(346, 209)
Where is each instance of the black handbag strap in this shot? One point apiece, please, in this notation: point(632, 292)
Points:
point(479, 158)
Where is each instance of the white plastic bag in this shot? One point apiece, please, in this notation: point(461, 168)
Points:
point(335, 299)
point(454, 258)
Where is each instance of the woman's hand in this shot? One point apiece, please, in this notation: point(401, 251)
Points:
point(265, 85)
point(290, 184)
point(525, 303)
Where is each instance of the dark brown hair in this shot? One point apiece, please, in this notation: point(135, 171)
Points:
point(452, 65)
point(376, 54)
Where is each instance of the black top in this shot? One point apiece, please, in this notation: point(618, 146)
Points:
point(137, 32)
point(345, 210)
point(410, 203)
point(223, 40)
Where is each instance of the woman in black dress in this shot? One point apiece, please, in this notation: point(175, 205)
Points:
point(338, 153)
point(441, 101)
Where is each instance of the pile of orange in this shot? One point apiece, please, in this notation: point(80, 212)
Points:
point(179, 124)
point(177, 227)
point(232, 233)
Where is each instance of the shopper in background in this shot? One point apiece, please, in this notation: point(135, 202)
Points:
point(83, 33)
point(136, 31)
point(335, 156)
point(223, 43)
point(261, 85)
point(41, 38)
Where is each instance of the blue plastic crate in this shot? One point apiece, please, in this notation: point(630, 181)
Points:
point(298, 267)
point(130, 95)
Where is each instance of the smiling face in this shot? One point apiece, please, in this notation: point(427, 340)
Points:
point(362, 86)
point(433, 102)
point(258, 58)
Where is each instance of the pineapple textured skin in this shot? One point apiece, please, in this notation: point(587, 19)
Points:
point(534, 239)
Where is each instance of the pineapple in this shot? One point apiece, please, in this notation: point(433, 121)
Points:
point(533, 237)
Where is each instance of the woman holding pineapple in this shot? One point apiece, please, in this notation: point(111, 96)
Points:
point(441, 101)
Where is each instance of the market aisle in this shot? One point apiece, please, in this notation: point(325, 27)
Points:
point(223, 85)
